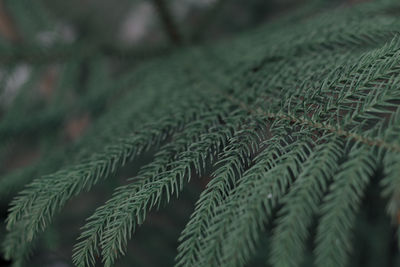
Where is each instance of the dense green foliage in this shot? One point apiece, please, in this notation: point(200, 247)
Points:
point(292, 125)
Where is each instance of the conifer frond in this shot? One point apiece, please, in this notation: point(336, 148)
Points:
point(288, 122)
point(163, 165)
point(302, 202)
point(252, 201)
point(235, 158)
point(333, 240)
point(391, 188)
point(122, 220)
point(37, 204)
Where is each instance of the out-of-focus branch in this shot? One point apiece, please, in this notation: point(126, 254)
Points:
point(208, 18)
point(7, 27)
point(168, 21)
point(39, 55)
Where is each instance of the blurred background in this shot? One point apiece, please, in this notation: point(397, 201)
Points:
point(63, 63)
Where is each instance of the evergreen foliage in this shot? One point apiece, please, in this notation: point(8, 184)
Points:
point(287, 124)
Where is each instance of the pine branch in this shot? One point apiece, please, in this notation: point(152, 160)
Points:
point(297, 122)
point(320, 126)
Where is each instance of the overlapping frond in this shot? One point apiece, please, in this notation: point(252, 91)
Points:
point(301, 204)
point(236, 157)
point(196, 135)
point(333, 240)
point(252, 201)
point(120, 219)
point(38, 203)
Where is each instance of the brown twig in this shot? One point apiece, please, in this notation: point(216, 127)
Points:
point(318, 125)
point(7, 27)
point(168, 21)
